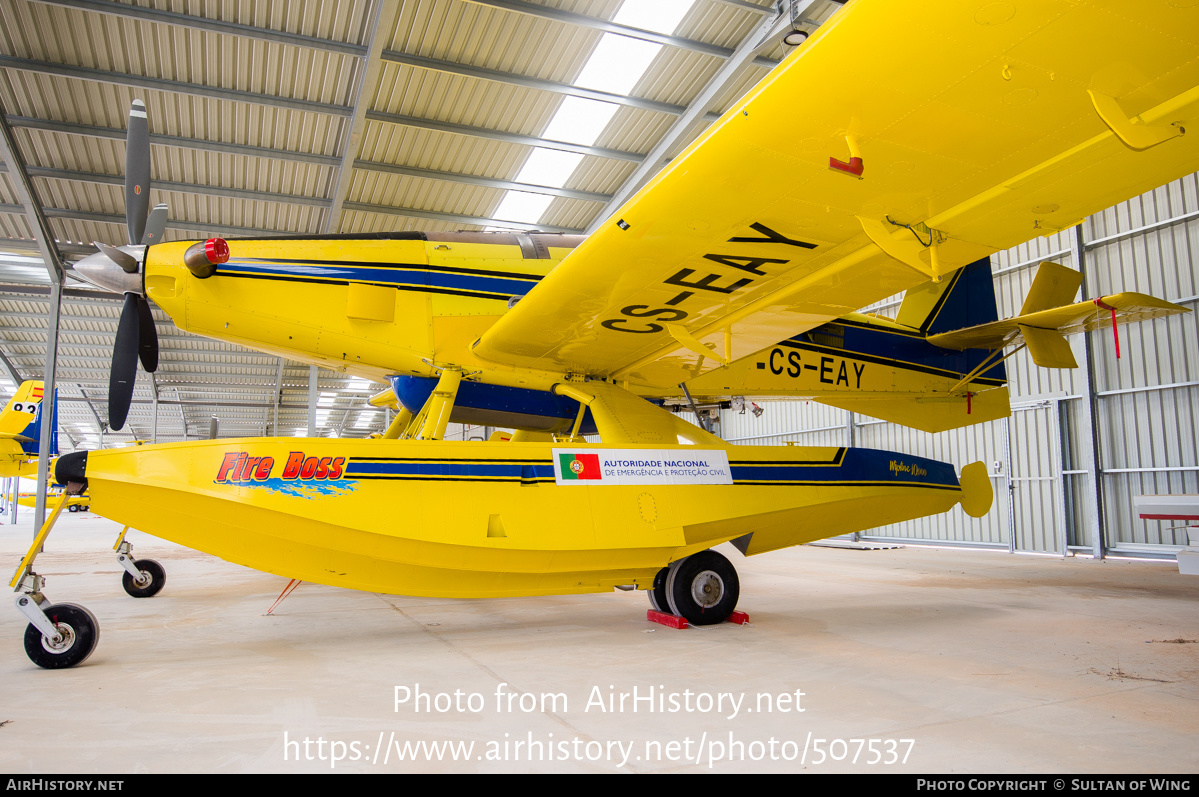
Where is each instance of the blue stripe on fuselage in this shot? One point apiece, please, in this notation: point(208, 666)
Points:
point(381, 274)
point(894, 347)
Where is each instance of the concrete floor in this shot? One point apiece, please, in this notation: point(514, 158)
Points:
point(991, 663)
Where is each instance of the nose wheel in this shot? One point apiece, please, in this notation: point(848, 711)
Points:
point(143, 578)
point(149, 582)
point(702, 588)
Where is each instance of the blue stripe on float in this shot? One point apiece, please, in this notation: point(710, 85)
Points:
point(460, 470)
point(860, 465)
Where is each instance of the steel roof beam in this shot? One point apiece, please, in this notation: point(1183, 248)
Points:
point(187, 387)
point(485, 182)
point(174, 224)
point(95, 131)
point(200, 403)
point(454, 218)
point(185, 188)
point(30, 207)
point(29, 245)
point(43, 293)
point(101, 426)
point(186, 368)
point(499, 135)
point(747, 5)
point(224, 229)
point(584, 21)
point(482, 73)
point(11, 370)
point(381, 28)
point(175, 86)
point(211, 25)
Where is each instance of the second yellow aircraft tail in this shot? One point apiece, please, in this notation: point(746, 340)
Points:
point(21, 429)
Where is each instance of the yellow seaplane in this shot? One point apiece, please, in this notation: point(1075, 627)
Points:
point(896, 150)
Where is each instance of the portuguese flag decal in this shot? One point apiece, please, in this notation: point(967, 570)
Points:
point(580, 466)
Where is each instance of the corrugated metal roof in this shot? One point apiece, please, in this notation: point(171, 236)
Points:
point(74, 122)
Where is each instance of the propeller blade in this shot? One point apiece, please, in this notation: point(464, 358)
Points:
point(126, 261)
point(147, 336)
point(124, 364)
point(137, 172)
point(156, 225)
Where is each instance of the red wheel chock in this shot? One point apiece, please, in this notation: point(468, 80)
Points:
point(674, 621)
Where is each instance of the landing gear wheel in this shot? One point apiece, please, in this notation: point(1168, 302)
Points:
point(72, 508)
point(657, 594)
point(80, 633)
point(155, 578)
point(703, 588)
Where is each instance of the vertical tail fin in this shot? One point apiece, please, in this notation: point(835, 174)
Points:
point(965, 299)
point(21, 422)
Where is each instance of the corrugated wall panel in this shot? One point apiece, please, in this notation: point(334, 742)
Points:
point(783, 421)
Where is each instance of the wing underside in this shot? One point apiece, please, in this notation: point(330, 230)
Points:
point(978, 129)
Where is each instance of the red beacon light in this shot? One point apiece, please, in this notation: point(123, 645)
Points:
point(202, 258)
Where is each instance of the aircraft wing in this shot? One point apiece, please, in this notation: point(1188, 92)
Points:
point(979, 125)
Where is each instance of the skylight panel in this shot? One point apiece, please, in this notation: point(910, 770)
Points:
point(550, 167)
point(522, 206)
point(660, 16)
point(580, 121)
point(617, 63)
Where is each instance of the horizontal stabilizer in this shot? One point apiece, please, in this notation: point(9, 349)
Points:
point(1048, 347)
point(1068, 320)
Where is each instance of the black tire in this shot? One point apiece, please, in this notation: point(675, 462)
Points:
point(150, 569)
point(80, 633)
point(703, 588)
point(657, 595)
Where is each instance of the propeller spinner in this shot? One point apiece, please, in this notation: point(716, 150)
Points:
point(121, 270)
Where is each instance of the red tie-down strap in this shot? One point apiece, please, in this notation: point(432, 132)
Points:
point(1115, 332)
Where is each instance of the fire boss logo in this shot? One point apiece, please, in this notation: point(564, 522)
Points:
point(240, 467)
